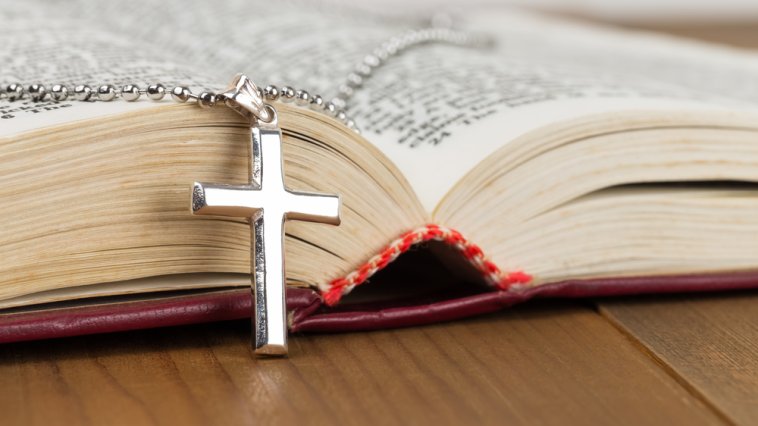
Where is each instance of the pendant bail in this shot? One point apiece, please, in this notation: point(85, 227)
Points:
point(244, 97)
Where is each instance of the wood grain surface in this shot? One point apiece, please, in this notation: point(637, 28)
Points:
point(655, 360)
point(548, 363)
point(710, 343)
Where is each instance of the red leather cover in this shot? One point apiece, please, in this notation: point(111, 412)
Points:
point(308, 314)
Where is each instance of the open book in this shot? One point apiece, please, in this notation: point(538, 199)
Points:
point(565, 159)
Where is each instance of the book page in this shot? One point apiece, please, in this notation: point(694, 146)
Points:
point(438, 111)
point(199, 44)
point(435, 110)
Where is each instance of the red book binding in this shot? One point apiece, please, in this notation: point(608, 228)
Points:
point(309, 313)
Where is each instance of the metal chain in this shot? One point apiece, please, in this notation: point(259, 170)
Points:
point(287, 94)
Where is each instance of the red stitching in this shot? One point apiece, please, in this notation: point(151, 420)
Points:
point(490, 267)
point(503, 280)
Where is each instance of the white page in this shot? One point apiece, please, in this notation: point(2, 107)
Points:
point(439, 111)
point(436, 111)
point(197, 43)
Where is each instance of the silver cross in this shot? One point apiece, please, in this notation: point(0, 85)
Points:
point(268, 204)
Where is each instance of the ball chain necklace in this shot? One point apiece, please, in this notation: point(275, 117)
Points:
point(335, 107)
point(267, 203)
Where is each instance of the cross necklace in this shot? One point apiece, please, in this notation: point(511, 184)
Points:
point(264, 200)
point(267, 203)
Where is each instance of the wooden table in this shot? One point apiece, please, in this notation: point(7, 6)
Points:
point(656, 360)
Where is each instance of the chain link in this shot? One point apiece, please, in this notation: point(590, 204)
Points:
point(334, 108)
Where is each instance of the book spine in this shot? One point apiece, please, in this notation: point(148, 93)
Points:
point(472, 252)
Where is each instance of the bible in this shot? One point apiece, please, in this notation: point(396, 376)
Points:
point(560, 159)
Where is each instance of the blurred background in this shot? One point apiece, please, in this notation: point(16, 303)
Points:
point(726, 21)
point(649, 11)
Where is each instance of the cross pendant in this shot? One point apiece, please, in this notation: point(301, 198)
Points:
point(268, 204)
